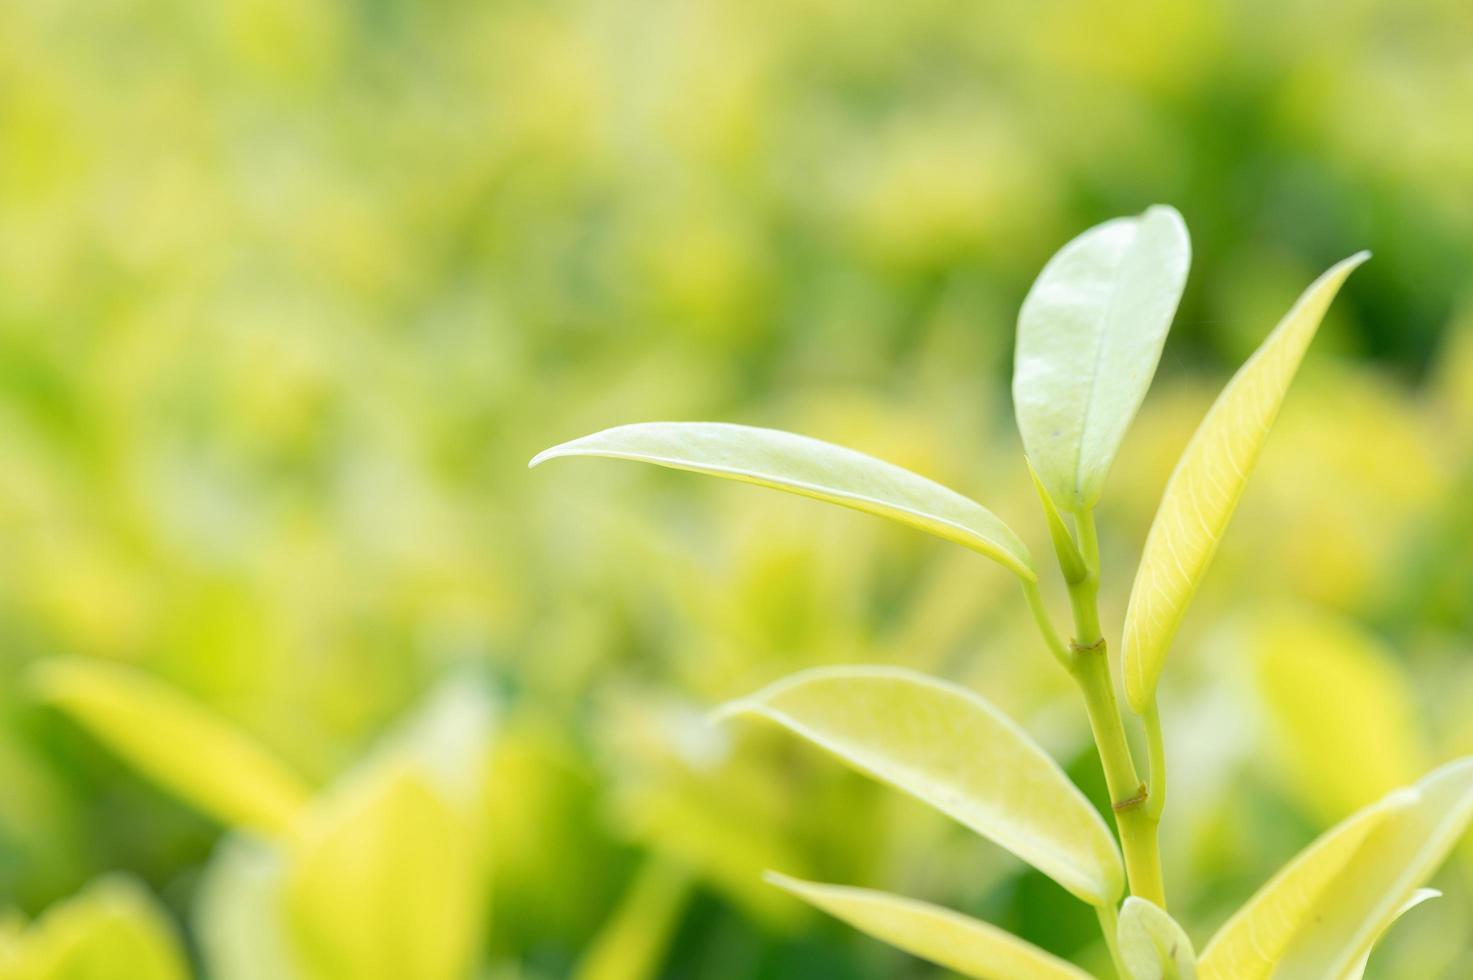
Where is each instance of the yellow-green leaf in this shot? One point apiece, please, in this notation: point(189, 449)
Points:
point(1320, 915)
point(1204, 489)
point(1421, 895)
point(1152, 944)
point(383, 882)
point(1343, 716)
point(176, 742)
point(809, 468)
point(946, 938)
point(112, 931)
point(631, 944)
point(951, 749)
point(1089, 336)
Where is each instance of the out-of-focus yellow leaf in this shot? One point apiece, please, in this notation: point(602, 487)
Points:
point(176, 742)
point(1152, 944)
point(384, 882)
point(1320, 915)
point(809, 468)
point(1089, 335)
point(951, 749)
point(631, 944)
point(111, 931)
point(1421, 895)
point(1204, 489)
point(946, 938)
point(1343, 716)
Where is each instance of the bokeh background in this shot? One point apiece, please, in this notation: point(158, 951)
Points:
point(291, 291)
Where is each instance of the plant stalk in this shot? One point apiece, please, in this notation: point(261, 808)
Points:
point(1135, 817)
point(1110, 926)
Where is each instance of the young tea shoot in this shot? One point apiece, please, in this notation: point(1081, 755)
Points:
point(1090, 333)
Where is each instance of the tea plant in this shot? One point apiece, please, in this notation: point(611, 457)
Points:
point(1090, 334)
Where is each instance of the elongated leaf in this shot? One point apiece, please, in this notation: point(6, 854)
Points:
point(191, 752)
point(1153, 945)
point(951, 749)
point(1320, 915)
point(1089, 336)
point(1419, 896)
point(946, 938)
point(1204, 489)
point(810, 468)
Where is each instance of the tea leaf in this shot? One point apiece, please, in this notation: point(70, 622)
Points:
point(1320, 915)
point(1089, 335)
point(1418, 897)
point(1204, 489)
point(383, 882)
point(809, 468)
point(1153, 945)
point(946, 938)
point(951, 749)
point(112, 931)
point(176, 742)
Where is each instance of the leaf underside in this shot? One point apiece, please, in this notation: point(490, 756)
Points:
point(951, 749)
point(1320, 915)
point(809, 468)
point(946, 938)
point(1204, 489)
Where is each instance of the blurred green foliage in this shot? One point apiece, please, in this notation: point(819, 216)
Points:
point(290, 292)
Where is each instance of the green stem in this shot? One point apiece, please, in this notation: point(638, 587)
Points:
point(1091, 669)
point(1045, 625)
point(1110, 926)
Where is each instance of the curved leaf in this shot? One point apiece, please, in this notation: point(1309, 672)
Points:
point(1419, 896)
point(809, 468)
point(1204, 489)
point(1320, 915)
point(176, 742)
point(1089, 336)
point(1153, 945)
point(946, 938)
point(951, 749)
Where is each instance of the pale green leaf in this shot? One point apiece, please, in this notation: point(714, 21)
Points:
point(1320, 915)
point(1421, 895)
point(1089, 336)
point(383, 882)
point(176, 742)
point(946, 938)
point(238, 912)
point(1204, 489)
point(951, 749)
point(112, 931)
point(1152, 944)
point(810, 468)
